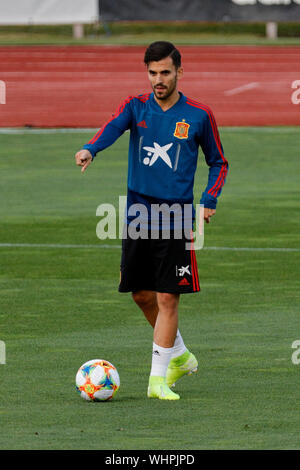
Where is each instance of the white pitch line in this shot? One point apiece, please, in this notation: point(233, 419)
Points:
point(53, 245)
point(106, 246)
point(261, 130)
point(63, 130)
point(71, 130)
point(241, 89)
point(232, 248)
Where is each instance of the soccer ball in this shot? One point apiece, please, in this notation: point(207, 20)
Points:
point(97, 380)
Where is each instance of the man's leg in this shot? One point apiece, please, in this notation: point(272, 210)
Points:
point(146, 300)
point(148, 303)
point(161, 311)
point(177, 360)
point(165, 330)
point(167, 319)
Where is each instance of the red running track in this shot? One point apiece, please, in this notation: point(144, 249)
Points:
point(69, 86)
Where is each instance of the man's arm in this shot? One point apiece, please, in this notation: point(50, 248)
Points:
point(218, 166)
point(106, 136)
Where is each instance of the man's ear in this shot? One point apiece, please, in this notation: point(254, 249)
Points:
point(179, 73)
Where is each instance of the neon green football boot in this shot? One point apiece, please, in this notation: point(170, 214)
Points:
point(185, 364)
point(158, 388)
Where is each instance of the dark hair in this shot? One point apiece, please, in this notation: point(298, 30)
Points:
point(160, 50)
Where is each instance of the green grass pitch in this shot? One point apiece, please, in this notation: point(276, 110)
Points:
point(60, 307)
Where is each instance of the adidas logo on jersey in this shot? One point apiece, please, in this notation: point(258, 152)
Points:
point(142, 124)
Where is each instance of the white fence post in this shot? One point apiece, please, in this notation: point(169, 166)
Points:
point(2, 92)
point(78, 31)
point(271, 30)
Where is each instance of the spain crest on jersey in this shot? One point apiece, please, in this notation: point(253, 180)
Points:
point(182, 130)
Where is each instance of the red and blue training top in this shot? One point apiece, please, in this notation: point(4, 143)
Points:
point(163, 149)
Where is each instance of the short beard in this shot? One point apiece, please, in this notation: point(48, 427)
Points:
point(165, 97)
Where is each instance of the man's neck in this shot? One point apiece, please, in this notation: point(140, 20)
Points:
point(168, 103)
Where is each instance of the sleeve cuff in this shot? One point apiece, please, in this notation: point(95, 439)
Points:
point(208, 201)
point(90, 149)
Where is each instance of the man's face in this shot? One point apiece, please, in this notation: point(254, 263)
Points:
point(163, 77)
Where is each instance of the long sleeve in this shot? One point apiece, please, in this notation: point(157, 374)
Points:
point(112, 129)
point(218, 166)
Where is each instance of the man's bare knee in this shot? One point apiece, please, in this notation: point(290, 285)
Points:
point(167, 301)
point(144, 298)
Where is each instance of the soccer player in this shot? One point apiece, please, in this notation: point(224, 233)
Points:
point(166, 130)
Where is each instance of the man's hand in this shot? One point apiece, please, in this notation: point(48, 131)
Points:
point(208, 213)
point(83, 158)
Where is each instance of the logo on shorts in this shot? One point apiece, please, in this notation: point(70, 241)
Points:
point(183, 270)
point(182, 130)
point(184, 282)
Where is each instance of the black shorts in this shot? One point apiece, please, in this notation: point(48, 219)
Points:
point(158, 265)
